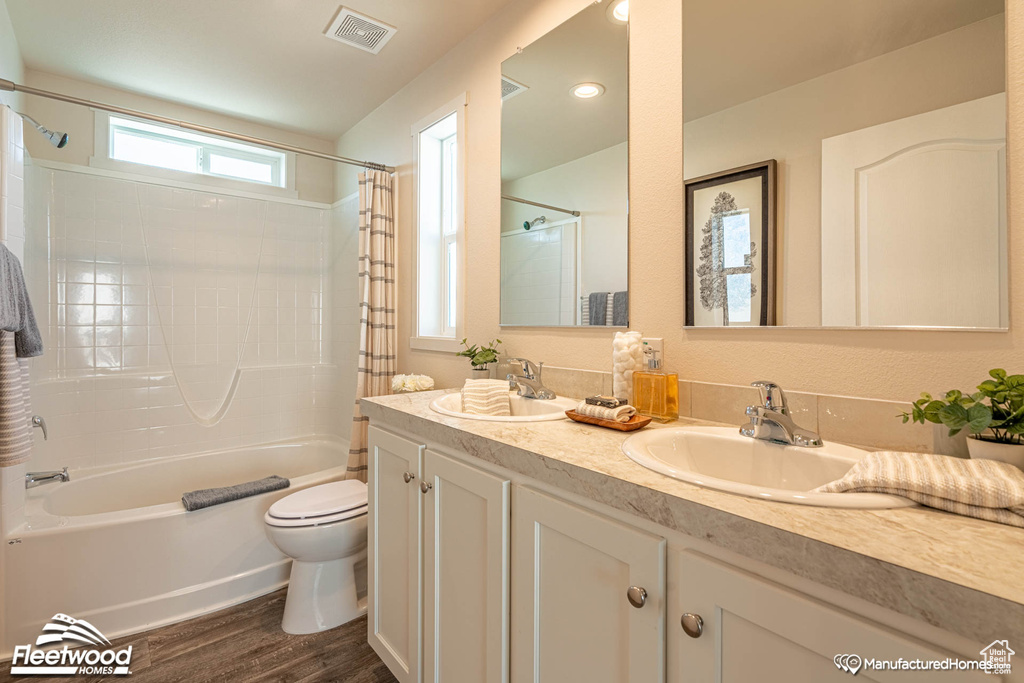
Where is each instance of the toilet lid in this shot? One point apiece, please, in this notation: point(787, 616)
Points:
point(321, 501)
point(322, 520)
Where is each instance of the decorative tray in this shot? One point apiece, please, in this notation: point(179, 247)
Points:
point(635, 422)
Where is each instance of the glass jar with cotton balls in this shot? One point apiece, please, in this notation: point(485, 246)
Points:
point(627, 357)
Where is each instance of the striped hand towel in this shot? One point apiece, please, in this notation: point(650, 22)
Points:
point(985, 489)
point(623, 413)
point(15, 411)
point(486, 397)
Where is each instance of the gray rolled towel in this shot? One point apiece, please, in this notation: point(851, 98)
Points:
point(15, 308)
point(599, 308)
point(620, 309)
point(204, 498)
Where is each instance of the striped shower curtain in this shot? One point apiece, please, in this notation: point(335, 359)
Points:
point(376, 305)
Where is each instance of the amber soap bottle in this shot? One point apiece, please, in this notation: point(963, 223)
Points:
point(655, 392)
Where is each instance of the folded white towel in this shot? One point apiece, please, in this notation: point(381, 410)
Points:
point(623, 413)
point(985, 489)
point(486, 397)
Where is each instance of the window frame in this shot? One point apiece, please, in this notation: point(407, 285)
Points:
point(448, 338)
point(103, 148)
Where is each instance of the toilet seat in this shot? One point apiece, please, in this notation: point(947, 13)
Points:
point(319, 505)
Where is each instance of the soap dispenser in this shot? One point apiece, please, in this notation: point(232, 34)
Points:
point(656, 392)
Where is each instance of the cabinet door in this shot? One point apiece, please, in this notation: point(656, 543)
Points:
point(394, 596)
point(756, 630)
point(571, 616)
point(465, 573)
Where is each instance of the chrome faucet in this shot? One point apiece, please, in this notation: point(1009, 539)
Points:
point(528, 383)
point(771, 421)
point(33, 479)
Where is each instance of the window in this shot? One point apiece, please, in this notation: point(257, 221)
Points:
point(439, 174)
point(128, 141)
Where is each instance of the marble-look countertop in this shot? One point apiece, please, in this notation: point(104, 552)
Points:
point(960, 574)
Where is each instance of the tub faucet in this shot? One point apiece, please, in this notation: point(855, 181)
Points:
point(528, 383)
point(771, 421)
point(33, 479)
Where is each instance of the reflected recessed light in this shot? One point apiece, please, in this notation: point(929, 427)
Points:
point(618, 11)
point(586, 91)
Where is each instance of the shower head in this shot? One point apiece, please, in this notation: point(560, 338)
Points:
point(56, 138)
point(540, 220)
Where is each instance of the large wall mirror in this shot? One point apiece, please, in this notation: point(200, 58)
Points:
point(564, 174)
point(845, 163)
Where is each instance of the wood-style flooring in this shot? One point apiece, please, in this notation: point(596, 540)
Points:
point(243, 644)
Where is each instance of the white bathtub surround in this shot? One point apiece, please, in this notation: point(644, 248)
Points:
point(377, 342)
point(12, 181)
point(106, 385)
point(195, 268)
point(627, 357)
point(140, 560)
point(323, 530)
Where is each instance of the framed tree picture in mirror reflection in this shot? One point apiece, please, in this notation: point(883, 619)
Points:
point(730, 247)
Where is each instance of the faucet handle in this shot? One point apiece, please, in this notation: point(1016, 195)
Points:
point(38, 421)
point(772, 396)
point(525, 365)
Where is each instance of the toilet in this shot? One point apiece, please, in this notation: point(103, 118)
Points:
point(323, 530)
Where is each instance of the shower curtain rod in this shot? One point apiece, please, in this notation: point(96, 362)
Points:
point(543, 206)
point(11, 86)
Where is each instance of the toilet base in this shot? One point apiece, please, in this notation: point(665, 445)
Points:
point(323, 595)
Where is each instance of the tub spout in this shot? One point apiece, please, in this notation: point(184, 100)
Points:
point(33, 479)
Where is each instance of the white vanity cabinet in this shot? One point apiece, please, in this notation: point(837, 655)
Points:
point(740, 627)
point(438, 568)
point(588, 595)
point(478, 575)
point(393, 497)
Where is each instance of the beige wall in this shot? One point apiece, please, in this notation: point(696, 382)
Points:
point(314, 177)
point(789, 125)
point(881, 364)
point(11, 66)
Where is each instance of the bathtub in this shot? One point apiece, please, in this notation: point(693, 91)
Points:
point(116, 547)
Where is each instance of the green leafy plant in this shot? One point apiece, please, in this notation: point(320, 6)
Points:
point(997, 407)
point(480, 355)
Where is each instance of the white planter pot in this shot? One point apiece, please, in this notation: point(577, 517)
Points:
point(984, 449)
point(483, 372)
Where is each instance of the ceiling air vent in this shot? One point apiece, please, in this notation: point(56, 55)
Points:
point(359, 30)
point(510, 88)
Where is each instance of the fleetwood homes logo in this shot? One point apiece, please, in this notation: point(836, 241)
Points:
point(97, 658)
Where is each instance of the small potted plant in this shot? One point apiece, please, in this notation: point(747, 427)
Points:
point(480, 357)
point(994, 416)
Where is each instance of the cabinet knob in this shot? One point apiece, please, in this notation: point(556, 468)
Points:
point(637, 596)
point(408, 476)
point(425, 487)
point(693, 625)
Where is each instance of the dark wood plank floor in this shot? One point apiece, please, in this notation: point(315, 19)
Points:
point(244, 643)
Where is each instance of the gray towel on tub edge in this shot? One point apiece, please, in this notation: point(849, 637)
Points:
point(204, 498)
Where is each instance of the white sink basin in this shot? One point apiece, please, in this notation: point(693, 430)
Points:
point(722, 459)
point(523, 409)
